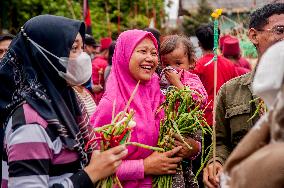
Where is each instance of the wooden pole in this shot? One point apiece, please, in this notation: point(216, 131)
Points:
point(118, 16)
point(108, 21)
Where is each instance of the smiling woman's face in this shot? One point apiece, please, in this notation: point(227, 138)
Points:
point(144, 60)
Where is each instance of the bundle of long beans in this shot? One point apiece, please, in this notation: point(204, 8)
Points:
point(183, 116)
point(116, 133)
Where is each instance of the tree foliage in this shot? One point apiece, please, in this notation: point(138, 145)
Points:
point(133, 14)
point(193, 20)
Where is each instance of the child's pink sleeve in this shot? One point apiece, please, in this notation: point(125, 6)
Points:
point(194, 83)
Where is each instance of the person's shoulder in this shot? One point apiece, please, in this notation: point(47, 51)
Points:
point(237, 81)
point(204, 59)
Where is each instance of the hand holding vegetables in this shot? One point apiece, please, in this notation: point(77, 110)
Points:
point(162, 163)
point(185, 152)
point(183, 117)
point(104, 164)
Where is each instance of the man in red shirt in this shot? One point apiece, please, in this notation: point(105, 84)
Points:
point(99, 64)
point(205, 67)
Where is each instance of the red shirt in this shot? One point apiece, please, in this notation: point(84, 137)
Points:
point(205, 71)
point(242, 62)
point(98, 68)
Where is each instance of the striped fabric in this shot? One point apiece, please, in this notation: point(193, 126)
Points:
point(34, 155)
point(87, 99)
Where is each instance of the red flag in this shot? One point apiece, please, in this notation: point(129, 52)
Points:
point(87, 17)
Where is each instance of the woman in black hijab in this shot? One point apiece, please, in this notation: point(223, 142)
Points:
point(46, 126)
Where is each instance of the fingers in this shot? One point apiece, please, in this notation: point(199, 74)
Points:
point(117, 149)
point(117, 163)
point(169, 72)
point(171, 172)
point(172, 152)
point(172, 166)
point(175, 160)
point(219, 171)
point(206, 178)
point(212, 176)
point(178, 143)
point(121, 155)
point(177, 137)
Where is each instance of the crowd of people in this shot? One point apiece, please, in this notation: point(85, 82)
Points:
point(58, 85)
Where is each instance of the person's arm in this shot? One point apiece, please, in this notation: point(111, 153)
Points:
point(256, 138)
point(223, 132)
point(131, 170)
point(30, 152)
point(155, 164)
point(194, 83)
point(210, 179)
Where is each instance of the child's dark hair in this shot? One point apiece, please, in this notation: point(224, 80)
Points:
point(171, 42)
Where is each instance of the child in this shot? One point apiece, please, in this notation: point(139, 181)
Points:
point(178, 59)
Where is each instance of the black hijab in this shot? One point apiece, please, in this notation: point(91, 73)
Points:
point(26, 76)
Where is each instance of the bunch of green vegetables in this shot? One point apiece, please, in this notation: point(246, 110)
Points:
point(116, 133)
point(260, 110)
point(183, 116)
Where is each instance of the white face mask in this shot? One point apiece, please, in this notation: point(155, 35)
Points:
point(78, 70)
point(269, 74)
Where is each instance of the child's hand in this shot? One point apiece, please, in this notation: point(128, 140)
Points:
point(174, 78)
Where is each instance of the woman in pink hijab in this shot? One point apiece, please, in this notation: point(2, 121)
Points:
point(136, 58)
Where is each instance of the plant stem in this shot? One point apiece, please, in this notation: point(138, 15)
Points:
point(145, 146)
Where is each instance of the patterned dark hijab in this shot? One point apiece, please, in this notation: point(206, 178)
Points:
point(27, 77)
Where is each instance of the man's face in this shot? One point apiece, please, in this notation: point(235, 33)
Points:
point(4, 44)
point(270, 33)
point(89, 49)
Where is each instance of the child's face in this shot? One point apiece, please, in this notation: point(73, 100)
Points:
point(177, 59)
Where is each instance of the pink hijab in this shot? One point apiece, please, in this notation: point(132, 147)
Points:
point(120, 86)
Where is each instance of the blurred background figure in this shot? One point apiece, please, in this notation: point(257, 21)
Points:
point(109, 60)
point(231, 50)
point(99, 65)
point(5, 41)
point(91, 47)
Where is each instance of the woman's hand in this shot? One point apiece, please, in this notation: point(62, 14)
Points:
point(174, 78)
point(185, 152)
point(162, 163)
point(104, 164)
